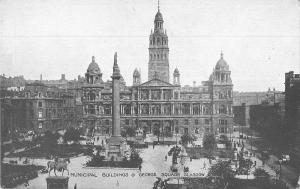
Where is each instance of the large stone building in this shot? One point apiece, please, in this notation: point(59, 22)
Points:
point(292, 111)
point(157, 104)
point(38, 108)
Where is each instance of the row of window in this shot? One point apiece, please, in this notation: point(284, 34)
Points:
point(158, 41)
point(155, 56)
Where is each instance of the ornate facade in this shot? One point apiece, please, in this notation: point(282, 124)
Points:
point(157, 104)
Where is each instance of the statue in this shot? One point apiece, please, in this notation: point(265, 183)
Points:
point(58, 164)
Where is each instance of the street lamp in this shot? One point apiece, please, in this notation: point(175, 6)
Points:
point(280, 162)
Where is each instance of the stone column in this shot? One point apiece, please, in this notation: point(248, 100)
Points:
point(172, 108)
point(116, 130)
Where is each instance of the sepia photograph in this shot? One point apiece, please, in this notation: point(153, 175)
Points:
point(150, 94)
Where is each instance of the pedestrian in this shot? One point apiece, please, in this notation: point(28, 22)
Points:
point(153, 145)
point(166, 157)
point(254, 163)
point(75, 186)
point(204, 165)
point(140, 167)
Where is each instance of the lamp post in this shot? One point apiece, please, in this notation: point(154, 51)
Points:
point(280, 162)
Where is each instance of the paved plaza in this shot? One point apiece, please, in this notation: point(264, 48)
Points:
point(154, 165)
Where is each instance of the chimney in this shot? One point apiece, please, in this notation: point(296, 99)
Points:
point(41, 77)
point(194, 83)
point(63, 77)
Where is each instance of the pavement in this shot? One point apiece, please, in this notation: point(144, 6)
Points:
point(154, 165)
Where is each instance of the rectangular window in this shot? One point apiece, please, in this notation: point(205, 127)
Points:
point(40, 114)
point(40, 104)
point(40, 125)
point(127, 121)
point(206, 121)
point(186, 121)
point(196, 122)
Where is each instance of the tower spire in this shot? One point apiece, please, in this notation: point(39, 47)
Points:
point(158, 5)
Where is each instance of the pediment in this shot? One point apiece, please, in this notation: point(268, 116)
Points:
point(156, 83)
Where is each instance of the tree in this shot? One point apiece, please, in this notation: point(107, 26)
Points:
point(209, 142)
point(156, 132)
point(223, 171)
point(128, 131)
point(72, 134)
point(49, 140)
point(187, 138)
point(262, 176)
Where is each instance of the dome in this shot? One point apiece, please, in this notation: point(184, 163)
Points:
point(158, 16)
point(93, 66)
point(136, 73)
point(222, 64)
point(176, 71)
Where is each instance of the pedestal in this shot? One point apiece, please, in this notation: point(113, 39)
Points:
point(57, 182)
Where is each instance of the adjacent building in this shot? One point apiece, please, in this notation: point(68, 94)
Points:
point(38, 108)
point(292, 110)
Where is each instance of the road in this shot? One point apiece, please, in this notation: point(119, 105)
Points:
point(288, 174)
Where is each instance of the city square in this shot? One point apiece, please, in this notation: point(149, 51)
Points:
point(230, 129)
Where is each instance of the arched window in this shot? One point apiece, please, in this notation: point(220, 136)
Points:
point(150, 56)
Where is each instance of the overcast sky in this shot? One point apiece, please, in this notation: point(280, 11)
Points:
point(259, 38)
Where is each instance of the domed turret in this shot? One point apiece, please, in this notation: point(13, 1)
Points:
point(222, 64)
point(158, 16)
point(93, 67)
point(221, 72)
point(176, 71)
point(176, 77)
point(136, 72)
point(93, 74)
point(136, 77)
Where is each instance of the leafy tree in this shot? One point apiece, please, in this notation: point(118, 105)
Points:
point(49, 140)
point(135, 159)
point(187, 138)
point(72, 134)
point(262, 176)
point(222, 170)
point(96, 160)
point(209, 142)
point(128, 131)
point(156, 132)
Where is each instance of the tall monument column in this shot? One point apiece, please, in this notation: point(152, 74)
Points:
point(116, 130)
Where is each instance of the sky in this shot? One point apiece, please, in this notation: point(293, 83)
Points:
point(260, 39)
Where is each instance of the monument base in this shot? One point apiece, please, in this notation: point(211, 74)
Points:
point(116, 148)
point(57, 182)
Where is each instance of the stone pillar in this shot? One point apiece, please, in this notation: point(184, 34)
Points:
point(57, 182)
point(116, 120)
point(172, 108)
